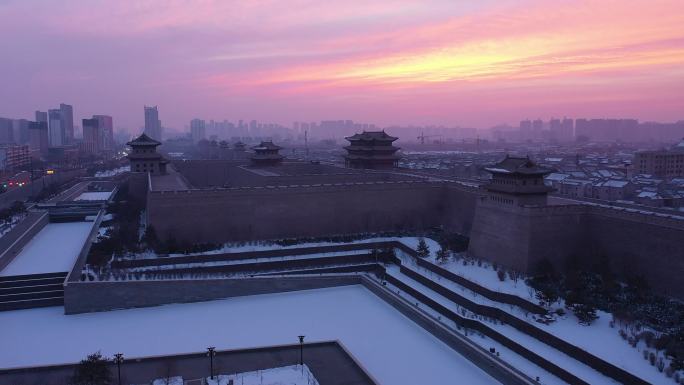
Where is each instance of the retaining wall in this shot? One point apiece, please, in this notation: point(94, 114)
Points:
point(82, 297)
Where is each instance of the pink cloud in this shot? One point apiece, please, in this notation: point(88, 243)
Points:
point(365, 59)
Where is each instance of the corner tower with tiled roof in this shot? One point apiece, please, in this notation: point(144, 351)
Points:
point(518, 181)
point(371, 149)
point(266, 154)
point(144, 156)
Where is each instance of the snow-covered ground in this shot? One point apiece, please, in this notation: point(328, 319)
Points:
point(486, 276)
point(286, 375)
point(568, 363)
point(94, 196)
point(393, 349)
point(245, 261)
point(54, 249)
point(116, 171)
point(598, 339)
point(260, 246)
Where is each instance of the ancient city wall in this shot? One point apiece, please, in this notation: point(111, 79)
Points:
point(500, 233)
point(640, 244)
point(273, 212)
point(636, 243)
point(460, 203)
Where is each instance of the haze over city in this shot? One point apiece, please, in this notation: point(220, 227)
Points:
point(473, 64)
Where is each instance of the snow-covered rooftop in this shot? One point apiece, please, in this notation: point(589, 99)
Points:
point(94, 196)
point(54, 249)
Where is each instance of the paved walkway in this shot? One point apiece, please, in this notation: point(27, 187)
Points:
point(328, 361)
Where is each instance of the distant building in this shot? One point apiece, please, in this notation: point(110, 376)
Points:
point(605, 130)
point(41, 116)
point(525, 129)
point(537, 128)
point(6, 130)
point(38, 138)
point(561, 130)
point(107, 132)
point(266, 154)
point(144, 156)
point(20, 131)
point(55, 128)
point(518, 181)
point(67, 113)
point(372, 150)
point(662, 163)
point(92, 136)
point(153, 128)
point(14, 157)
point(197, 130)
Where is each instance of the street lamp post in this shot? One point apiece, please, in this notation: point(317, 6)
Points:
point(211, 353)
point(301, 352)
point(118, 359)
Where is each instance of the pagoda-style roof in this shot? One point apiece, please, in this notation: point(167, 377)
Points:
point(518, 165)
point(143, 140)
point(266, 145)
point(372, 135)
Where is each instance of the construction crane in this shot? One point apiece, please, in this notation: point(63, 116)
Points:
point(423, 136)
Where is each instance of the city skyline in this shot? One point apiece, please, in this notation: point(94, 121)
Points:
point(443, 64)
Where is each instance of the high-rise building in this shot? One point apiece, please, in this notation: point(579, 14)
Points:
point(67, 123)
point(92, 136)
point(38, 138)
point(153, 127)
point(55, 128)
point(526, 129)
point(567, 133)
point(20, 131)
point(197, 130)
point(537, 127)
point(6, 130)
point(41, 116)
point(106, 126)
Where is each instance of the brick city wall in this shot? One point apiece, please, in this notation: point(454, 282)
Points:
point(251, 213)
point(634, 242)
point(517, 237)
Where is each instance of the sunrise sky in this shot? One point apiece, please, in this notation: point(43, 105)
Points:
point(469, 63)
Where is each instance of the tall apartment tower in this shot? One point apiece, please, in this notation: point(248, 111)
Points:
point(106, 131)
point(41, 116)
point(55, 128)
point(67, 122)
point(152, 123)
point(92, 136)
point(197, 130)
point(38, 138)
point(6, 130)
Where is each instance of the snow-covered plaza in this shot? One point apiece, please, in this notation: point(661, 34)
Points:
point(392, 348)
